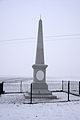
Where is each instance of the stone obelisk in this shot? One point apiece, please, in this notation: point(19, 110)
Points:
point(39, 85)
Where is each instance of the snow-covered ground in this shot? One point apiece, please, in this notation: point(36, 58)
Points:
point(14, 107)
point(19, 98)
point(42, 111)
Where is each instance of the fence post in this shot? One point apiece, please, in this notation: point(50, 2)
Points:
point(79, 87)
point(68, 90)
point(21, 86)
point(62, 85)
point(1, 88)
point(31, 95)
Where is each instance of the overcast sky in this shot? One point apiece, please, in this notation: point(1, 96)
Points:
point(19, 20)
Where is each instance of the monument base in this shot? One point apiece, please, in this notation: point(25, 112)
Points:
point(40, 90)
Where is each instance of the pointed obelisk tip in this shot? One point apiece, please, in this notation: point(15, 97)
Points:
point(40, 16)
point(40, 47)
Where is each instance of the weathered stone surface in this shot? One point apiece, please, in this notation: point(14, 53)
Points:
point(39, 85)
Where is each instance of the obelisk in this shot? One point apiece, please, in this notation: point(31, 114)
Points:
point(39, 85)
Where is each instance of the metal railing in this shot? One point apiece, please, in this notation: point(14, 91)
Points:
point(63, 90)
point(74, 87)
point(67, 89)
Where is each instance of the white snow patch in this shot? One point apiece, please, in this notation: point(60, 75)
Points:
point(43, 111)
point(12, 108)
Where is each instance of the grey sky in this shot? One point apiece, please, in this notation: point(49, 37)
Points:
point(19, 19)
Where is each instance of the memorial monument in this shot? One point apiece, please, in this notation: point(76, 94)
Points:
point(39, 85)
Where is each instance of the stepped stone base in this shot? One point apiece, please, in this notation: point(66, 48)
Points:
point(40, 90)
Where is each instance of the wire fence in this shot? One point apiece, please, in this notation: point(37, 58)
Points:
point(74, 87)
point(16, 87)
point(57, 91)
point(61, 91)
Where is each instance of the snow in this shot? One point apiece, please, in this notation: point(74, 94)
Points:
point(42, 111)
point(19, 98)
point(14, 107)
